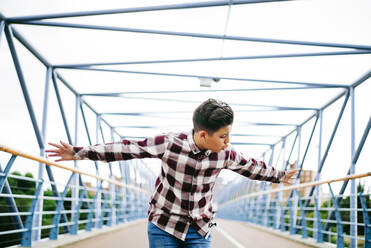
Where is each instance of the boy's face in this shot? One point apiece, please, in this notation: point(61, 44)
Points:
point(219, 140)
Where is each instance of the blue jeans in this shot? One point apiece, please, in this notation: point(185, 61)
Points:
point(159, 238)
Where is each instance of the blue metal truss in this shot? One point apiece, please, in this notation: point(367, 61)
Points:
point(124, 204)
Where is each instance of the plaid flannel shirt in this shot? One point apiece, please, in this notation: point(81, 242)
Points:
point(183, 191)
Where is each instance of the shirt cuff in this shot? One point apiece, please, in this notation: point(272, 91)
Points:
point(77, 156)
point(281, 175)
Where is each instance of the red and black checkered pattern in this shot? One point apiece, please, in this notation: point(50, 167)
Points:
point(183, 191)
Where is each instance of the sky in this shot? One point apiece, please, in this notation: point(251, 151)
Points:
point(345, 22)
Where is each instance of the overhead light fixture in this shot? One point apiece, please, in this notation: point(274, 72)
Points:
point(207, 82)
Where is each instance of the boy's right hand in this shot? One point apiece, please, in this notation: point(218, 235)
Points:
point(64, 151)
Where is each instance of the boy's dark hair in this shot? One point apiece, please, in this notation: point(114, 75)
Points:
point(211, 115)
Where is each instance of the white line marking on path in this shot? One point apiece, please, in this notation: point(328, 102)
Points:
point(229, 237)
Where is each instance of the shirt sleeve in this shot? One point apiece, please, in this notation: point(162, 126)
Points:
point(153, 147)
point(253, 169)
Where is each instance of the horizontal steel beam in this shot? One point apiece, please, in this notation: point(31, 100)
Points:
point(250, 144)
point(239, 123)
point(233, 135)
point(119, 94)
point(206, 76)
point(140, 9)
point(272, 56)
point(232, 104)
point(196, 35)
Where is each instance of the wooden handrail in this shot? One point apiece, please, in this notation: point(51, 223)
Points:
point(303, 185)
point(44, 161)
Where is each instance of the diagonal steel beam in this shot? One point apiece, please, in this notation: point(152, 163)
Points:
point(196, 35)
point(30, 48)
point(22, 82)
point(362, 79)
point(30, 108)
point(354, 161)
point(141, 9)
point(328, 147)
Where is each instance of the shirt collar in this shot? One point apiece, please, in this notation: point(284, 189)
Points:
point(193, 145)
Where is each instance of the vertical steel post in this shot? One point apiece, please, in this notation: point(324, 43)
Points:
point(317, 190)
point(304, 233)
point(294, 202)
point(113, 189)
point(122, 193)
point(353, 186)
point(103, 211)
point(98, 202)
point(282, 216)
point(292, 214)
point(273, 209)
point(339, 226)
point(27, 235)
point(267, 198)
point(54, 232)
point(318, 227)
point(39, 204)
point(366, 221)
point(299, 145)
point(283, 152)
point(76, 214)
point(2, 25)
point(278, 197)
point(279, 210)
point(76, 188)
point(89, 224)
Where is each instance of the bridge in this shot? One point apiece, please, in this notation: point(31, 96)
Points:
point(300, 89)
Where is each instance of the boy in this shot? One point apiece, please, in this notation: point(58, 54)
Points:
point(180, 208)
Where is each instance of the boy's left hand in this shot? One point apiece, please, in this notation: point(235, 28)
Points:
point(290, 176)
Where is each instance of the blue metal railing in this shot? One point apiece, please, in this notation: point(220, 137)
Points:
point(116, 204)
point(291, 215)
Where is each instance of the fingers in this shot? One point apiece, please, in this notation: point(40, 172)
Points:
point(55, 145)
point(294, 172)
point(55, 151)
point(64, 144)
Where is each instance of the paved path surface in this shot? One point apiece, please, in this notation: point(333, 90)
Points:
point(229, 234)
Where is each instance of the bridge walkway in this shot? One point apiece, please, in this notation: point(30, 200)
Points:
point(228, 234)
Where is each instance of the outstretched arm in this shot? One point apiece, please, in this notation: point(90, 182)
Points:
point(153, 147)
point(258, 170)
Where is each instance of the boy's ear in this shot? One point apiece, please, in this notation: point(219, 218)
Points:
point(202, 134)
